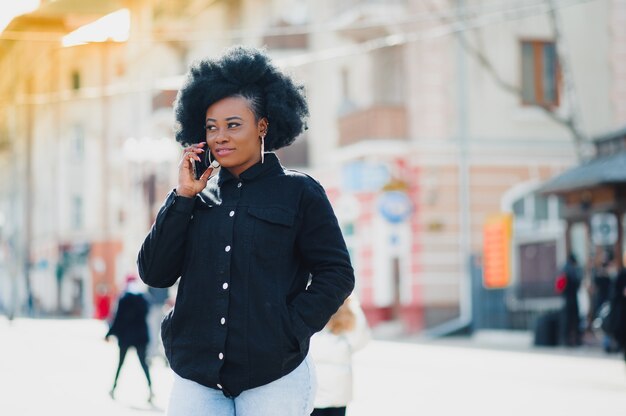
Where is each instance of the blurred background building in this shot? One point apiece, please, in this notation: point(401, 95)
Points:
point(434, 127)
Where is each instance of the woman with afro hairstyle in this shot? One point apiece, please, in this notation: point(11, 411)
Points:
point(256, 248)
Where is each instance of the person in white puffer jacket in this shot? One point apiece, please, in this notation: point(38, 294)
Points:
point(331, 350)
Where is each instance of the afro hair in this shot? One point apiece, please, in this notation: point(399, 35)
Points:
point(249, 73)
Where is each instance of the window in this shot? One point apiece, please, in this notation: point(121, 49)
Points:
point(77, 212)
point(78, 142)
point(75, 80)
point(540, 73)
point(519, 208)
point(541, 207)
point(560, 208)
point(345, 84)
point(537, 268)
point(535, 208)
point(388, 75)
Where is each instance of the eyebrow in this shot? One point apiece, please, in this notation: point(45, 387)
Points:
point(227, 119)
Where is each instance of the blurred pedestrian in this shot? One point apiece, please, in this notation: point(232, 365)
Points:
point(130, 328)
point(258, 249)
point(601, 281)
point(571, 278)
point(603, 273)
point(617, 315)
point(332, 350)
point(156, 298)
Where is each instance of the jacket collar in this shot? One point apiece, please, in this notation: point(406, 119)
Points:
point(271, 166)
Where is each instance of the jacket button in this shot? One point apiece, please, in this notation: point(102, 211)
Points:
point(227, 249)
point(221, 356)
point(225, 286)
point(231, 213)
point(219, 386)
point(223, 321)
point(239, 185)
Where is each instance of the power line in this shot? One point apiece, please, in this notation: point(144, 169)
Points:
point(307, 58)
point(458, 25)
point(470, 12)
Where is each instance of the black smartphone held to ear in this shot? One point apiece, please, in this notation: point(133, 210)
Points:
point(201, 167)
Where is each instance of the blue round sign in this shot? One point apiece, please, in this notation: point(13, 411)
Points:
point(395, 206)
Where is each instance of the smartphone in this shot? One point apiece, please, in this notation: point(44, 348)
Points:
point(200, 167)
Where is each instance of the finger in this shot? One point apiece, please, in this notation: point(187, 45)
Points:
point(205, 176)
point(191, 157)
point(185, 162)
point(198, 145)
point(192, 170)
point(193, 150)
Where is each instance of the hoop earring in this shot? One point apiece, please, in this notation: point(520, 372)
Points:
point(262, 149)
point(210, 163)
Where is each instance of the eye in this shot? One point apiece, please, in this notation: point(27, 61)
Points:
point(233, 124)
point(210, 127)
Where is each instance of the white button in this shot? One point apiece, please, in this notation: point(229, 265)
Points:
point(219, 386)
point(231, 213)
point(239, 185)
point(221, 356)
point(223, 321)
point(225, 286)
point(227, 249)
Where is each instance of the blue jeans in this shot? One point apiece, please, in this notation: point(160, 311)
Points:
point(291, 395)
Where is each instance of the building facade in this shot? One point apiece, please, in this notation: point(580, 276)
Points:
point(426, 119)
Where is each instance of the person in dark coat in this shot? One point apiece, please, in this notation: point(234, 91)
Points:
point(130, 328)
point(618, 310)
point(571, 313)
point(601, 282)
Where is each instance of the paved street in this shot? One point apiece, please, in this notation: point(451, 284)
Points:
point(63, 367)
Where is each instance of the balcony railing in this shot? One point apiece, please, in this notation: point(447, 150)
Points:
point(378, 122)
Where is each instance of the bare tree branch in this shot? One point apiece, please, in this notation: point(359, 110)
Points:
point(581, 140)
point(570, 121)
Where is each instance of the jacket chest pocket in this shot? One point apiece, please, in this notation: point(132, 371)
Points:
point(273, 233)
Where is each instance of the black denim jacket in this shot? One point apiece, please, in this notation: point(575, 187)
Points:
point(244, 250)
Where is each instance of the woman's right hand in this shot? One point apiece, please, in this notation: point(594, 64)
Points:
point(188, 185)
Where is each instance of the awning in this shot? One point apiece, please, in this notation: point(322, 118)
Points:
point(600, 171)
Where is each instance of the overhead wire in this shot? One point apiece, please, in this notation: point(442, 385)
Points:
point(307, 58)
point(470, 11)
point(458, 25)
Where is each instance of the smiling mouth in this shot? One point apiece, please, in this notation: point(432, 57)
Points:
point(223, 152)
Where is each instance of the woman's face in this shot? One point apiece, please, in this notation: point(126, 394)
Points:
point(233, 134)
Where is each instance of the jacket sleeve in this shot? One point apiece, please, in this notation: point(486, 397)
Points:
point(324, 252)
point(162, 253)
